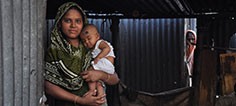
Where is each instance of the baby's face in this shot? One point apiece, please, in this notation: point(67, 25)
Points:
point(89, 38)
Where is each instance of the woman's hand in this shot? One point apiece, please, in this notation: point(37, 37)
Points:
point(92, 75)
point(89, 99)
point(95, 75)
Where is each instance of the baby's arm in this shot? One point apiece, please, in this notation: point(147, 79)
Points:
point(105, 49)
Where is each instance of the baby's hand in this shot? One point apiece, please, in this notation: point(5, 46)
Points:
point(96, 60)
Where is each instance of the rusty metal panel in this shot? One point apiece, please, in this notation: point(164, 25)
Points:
point(22, 29)
point(227, 72)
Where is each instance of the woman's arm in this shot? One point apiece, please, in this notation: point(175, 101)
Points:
point(62, 94)
point(58, 92)
point(110, 79)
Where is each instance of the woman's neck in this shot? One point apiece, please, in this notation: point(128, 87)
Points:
point(190, 49)
point(74, 42)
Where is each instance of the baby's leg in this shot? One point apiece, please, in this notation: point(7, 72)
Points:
point(92, 87)
point(100, 89)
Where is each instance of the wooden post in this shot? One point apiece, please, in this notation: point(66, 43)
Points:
point(205, 78)
point(113, 96)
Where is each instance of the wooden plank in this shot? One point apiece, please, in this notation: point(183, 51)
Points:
point(205, 84)
point(228, 72)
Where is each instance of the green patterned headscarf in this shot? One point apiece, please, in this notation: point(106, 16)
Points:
point(63, 62)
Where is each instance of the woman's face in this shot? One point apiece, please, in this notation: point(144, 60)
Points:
point(190, 39)
point(72, 24)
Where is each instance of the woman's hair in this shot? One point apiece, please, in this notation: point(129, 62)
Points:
point(64, 8)
point(75, 8)
point(191, 35)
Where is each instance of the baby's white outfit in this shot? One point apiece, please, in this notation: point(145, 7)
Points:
point(103, 64)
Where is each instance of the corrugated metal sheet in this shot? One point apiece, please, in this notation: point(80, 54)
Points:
point(21, 54)
point(151, 53)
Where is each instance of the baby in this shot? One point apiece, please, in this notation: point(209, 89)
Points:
point(102, 53)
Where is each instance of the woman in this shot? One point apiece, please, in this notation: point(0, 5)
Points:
point(191, 40)
point(66, 60)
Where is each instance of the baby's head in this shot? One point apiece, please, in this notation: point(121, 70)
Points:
point(90, 35)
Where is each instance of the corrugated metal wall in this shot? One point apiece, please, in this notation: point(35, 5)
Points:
point(219, 29)
point(22, 24)
point(151, 51)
